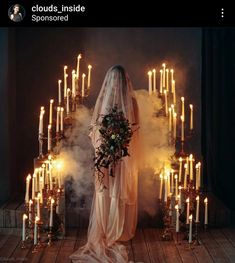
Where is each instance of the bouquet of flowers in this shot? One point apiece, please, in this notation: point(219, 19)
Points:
point(116, 134)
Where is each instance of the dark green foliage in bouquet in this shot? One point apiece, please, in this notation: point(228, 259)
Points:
point(116, 135)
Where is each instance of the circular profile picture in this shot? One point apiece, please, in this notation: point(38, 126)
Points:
point(16, 13)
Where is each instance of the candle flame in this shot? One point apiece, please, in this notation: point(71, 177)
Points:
point(169, 109)
point(175, 114)
point(25, 216)
point(199, 164)
point(89, 66)
point(49, 127)
point(197, 198)
point(42, 108)
point(39, 195)
point(79, 56)
point(185, 166)
point(167, 70)
point(52, 201)
point(150, 73)
point(59, 81)
point(206, 200)
point(154, 70)
point(61, 109)
point(187, 200)
point(191, 106)
point(160, 176)
point(180, 187)
point(176, 207)
point(182, 99)
point(164, 65)
point(172, 106)
point(173, 81)
point(190, 217)
point(28, 177)
point(164, 91)
point(58, 108)
point(49, 156)
point(180, 159)
point(30, 202)
point(172, 70)
point(83, 75)
point(51, 101)
point(160, 71)
point(182, 118)
point(176, 176)
point(36, 219)
point(190, 157)
point(65, 67)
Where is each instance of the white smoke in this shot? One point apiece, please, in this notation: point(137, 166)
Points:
point(77, 154)
point(155, 150)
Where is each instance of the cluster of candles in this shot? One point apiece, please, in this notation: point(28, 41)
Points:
point(69, 96)
point(167, 88)
point(174, 187)
point(43, 190)
point(74, 89)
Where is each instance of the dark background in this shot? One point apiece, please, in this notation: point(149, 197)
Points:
point(33, 60)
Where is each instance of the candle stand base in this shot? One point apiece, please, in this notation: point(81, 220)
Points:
point(23, 245)
point(196, 241)
point(167, 235)
point(177, 242)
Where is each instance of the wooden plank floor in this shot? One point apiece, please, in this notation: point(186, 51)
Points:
point(217, 246)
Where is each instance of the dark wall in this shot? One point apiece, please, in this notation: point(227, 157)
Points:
point(42, 52)
point(218, 122)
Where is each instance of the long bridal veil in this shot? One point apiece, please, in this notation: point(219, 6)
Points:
point(113, 215)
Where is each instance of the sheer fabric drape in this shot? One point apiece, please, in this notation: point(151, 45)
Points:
point(113, 215)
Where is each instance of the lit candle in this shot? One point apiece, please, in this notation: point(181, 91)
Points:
point(30, 211)
point(154, 81)
point(27, 188)
point(180, 197)
point(206, 211)
point(174, 94)
point(24, 227)
point(176, 186)
point(40, 130)
point(50, 179)
point(58, 120)
point(197, 209)
point(49, 138)
point(38, 205)
point(51, 212)
point(161, 184)
point(33, 187)
point(199, 174)
point(177, 218)
point(190, 228)
point(172, 78)
point(51, 106)
point(173, 109)
point(89, 76)
point(182, 128)
point(78, 64)
point(180, 169)
point(59, 91)
point(185, 175)
point(191, 116)
point(166, 104)
point(167, 79)
point(164, 75)
point(197, 182)
point(174, 125)
point(35, 240)
point(83, 85)
point(166, 188)
point(172, 180)
point(41, 181)
point(191, 166)
point(61, 119)
point(73, 83)
point(170, 120)
point(187, 215)
point(67, 104)
point(182, 110)
point(160, 81)
point(150, 82)
point(65, 81)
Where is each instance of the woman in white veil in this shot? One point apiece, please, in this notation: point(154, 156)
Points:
point(113, 215)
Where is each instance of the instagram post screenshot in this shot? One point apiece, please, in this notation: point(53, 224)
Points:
point(117, 124)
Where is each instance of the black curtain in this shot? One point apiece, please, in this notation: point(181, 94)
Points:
point(218, 112)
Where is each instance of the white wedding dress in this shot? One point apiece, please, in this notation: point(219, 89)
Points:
point(113, 215)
